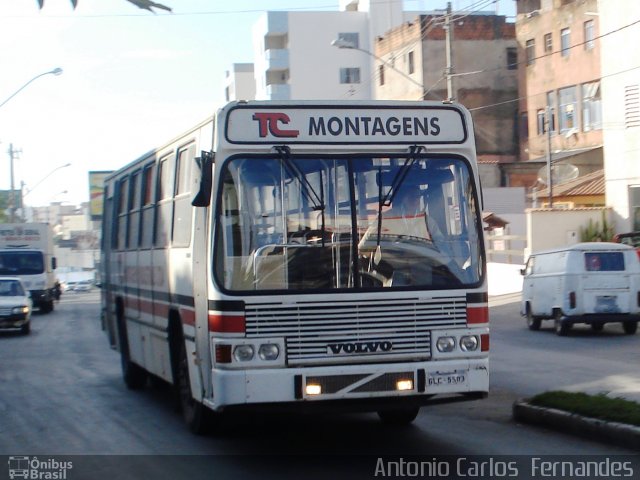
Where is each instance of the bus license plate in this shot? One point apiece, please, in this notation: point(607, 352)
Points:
point(440, 379)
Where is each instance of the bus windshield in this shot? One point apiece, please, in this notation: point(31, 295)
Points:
point(21, 263)
point(313, 223)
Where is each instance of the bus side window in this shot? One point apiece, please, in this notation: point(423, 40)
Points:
point(122, 202)
point(164, 204)
point(148, 177)
point(182, 209)
point(133, 235)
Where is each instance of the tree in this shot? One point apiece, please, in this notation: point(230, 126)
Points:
point(144, 4)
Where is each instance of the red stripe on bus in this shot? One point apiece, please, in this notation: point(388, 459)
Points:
point(188, 317)
point(478, 314)
point(226, 323)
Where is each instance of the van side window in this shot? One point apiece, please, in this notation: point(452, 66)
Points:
point(604, 262)
point(529, 267)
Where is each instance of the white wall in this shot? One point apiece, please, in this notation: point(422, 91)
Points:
point(556, 228)
point(619, 70)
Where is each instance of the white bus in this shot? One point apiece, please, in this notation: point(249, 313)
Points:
point(312, 255)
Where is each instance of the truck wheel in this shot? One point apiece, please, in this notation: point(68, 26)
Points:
point(630, 327)
point(597, 326)
point(134, 376)
point(398, 417)
point(195, 414)
point(532, 322)
point(47, 306)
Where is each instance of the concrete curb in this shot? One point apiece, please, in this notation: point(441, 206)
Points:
point(620, 434)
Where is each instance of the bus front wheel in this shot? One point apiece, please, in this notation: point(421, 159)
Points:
point(400, 416)
point(195, 414)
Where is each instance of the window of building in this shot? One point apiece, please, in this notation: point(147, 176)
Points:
point(530, 48)
point(540, 114)
point(512, 58)
point(568, 107)
point(634, 206)
point(591, 106)
point(565, 41)
point(551, 105)
point(350, 75)
point(589, 35)
point(548, 43)
point(350, 38)
point(410, 62)
point(381, 74)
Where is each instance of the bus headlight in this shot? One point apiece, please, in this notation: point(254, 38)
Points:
point(446, 344)
point(268, 351)
point(469, 343)
point(243, 353)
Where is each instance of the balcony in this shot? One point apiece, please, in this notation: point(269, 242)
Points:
point(276, 59)
point(278, 92)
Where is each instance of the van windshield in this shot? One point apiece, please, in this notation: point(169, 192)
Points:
point(604, 262)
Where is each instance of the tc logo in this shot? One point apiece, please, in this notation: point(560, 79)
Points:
point(268, 123)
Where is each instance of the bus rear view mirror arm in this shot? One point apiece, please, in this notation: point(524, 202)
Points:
point(205, 163)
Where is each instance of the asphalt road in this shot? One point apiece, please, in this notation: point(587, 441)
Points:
point(61, 393)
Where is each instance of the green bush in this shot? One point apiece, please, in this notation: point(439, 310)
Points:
point(595, 406)
point(593, 232)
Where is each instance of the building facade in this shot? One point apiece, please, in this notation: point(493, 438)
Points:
point(560, 88)
point(412, 65)
point(621, 110)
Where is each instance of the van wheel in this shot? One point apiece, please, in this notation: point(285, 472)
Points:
point(532, 322)
point(630, 327)
point(562, 327)
point(399, 416)
point(195, 414)
point(597, 327)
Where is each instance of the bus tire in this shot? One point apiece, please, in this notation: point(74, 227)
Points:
point(134, 376)
point(532, 322)
point(399, 416)
point(630, 327)
point(194, 413)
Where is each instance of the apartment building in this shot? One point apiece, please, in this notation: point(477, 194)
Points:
point(559, 80)
point(619, 22)
point(412, 65)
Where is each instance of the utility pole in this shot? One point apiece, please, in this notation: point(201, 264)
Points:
point(13, 202)
point(549, 167)
point(448, 28)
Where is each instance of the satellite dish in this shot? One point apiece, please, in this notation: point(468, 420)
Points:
point(559, 173)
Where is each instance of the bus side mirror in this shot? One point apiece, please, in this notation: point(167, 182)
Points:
point(522, 271)
point(205, 164)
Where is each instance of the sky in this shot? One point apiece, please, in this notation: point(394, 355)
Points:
point(131, 80)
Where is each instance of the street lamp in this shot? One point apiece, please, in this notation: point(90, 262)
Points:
point(341, 43)
point(55, 71)
point(22, 196)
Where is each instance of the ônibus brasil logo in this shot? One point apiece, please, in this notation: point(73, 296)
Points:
point(36, 469)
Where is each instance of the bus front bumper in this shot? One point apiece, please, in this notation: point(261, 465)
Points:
point(364, 387)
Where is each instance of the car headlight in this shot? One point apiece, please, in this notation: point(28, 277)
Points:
point(446, 344)
point(268, 351)
point(243, 353)
point(469, 343)
point(18, 310)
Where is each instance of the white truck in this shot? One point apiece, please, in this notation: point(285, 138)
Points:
point(26, 251)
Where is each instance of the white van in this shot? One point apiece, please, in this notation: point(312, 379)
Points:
point(591, 283)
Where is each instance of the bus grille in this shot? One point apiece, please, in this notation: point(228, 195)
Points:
point(348, 331)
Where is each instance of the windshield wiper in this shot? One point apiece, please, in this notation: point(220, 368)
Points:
point(414, 151)
point(317, 201)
